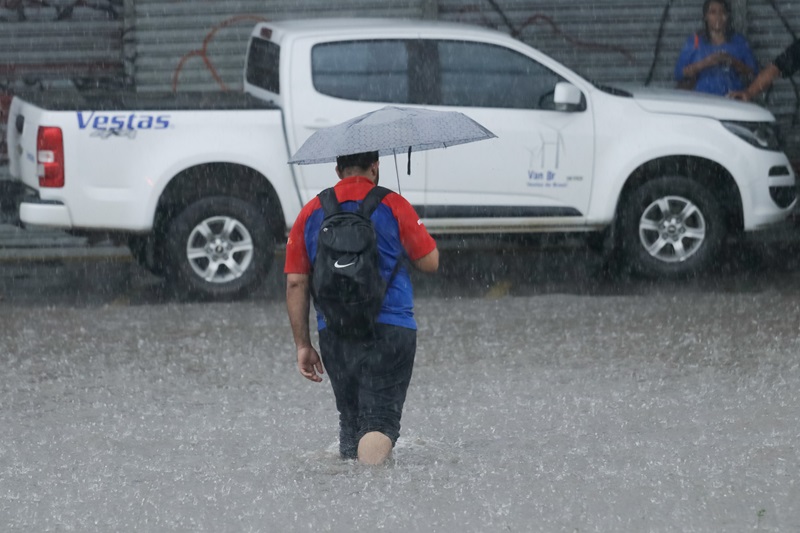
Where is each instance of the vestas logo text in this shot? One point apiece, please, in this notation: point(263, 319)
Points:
point(131, 121)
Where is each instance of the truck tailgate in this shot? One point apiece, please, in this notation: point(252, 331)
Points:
point(21, 137)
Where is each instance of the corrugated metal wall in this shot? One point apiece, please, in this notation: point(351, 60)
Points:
point(610, 40)
point(200, 45)
point(42, 45)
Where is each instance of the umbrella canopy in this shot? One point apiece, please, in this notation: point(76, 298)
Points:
point(390, 130)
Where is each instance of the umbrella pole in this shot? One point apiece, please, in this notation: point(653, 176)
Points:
point(396, 173)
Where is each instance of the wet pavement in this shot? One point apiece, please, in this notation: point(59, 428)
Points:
point(549, 395)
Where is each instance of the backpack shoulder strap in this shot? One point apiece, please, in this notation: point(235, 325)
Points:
point(329, 202)
point(373, 199)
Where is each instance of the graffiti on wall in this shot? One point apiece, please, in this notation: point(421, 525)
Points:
point(484, 14)
point(202, 52)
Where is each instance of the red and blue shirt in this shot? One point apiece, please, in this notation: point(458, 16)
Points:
point(400, 232)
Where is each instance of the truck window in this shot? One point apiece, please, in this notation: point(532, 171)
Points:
point(484, 75)
point(432, 72)
point(367, 71)
point(262, 65)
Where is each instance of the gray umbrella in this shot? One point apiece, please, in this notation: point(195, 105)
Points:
point(389, 131)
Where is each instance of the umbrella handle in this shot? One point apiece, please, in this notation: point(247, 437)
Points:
point(396, 173)
point(409, 160)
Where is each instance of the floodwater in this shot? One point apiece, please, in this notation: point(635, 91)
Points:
point(560, 401)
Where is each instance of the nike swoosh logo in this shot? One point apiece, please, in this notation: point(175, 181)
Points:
point(337, 265)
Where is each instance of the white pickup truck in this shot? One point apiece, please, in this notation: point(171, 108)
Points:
point(200, 185)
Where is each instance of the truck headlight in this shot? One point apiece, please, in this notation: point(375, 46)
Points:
point(762, 135)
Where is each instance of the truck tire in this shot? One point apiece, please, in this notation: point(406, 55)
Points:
point(218, 247)
point(671, 227)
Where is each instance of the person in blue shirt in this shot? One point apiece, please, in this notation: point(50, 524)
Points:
point(716, 60)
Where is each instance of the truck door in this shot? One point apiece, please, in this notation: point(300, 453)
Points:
point(346, 79)
point(538, 169)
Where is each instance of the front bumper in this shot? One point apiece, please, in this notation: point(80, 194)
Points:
point(787, 230)
point(773, 197)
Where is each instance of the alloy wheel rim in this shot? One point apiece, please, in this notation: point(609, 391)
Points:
point(219, 249)
point(672, 229)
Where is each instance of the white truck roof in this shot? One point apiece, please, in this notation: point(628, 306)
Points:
point(352, 26)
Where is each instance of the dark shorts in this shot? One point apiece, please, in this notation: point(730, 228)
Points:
point(369, 378)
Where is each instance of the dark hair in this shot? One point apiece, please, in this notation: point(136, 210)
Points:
point(362, 160)
point(728, 28)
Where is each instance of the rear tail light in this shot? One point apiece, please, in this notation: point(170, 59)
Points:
point(50, 157)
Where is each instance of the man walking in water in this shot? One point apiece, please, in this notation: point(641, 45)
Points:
point(370, 375)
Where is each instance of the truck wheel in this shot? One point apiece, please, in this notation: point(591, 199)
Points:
point(671, 227)
point(218, 247)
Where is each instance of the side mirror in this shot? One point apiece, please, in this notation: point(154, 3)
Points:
point(567, 97)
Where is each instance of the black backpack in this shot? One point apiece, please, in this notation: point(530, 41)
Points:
point(346, 282)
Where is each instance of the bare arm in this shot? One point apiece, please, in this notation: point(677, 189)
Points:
point(428, 263)
point(760, 84)
point(298, 304)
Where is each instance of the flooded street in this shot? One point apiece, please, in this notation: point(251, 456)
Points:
point(547, 396)
point(553, 390)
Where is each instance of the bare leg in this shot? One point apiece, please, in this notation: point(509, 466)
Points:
point(374, 448)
